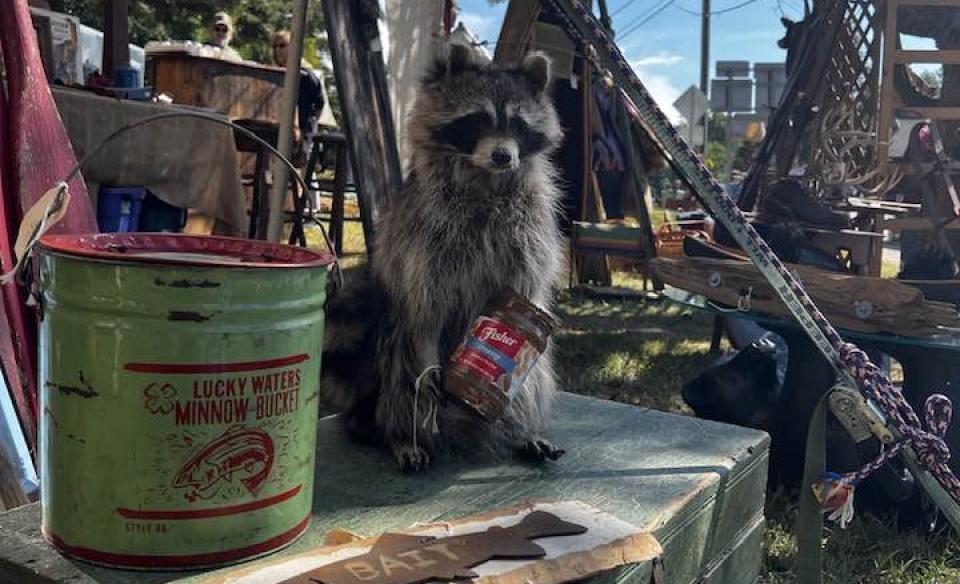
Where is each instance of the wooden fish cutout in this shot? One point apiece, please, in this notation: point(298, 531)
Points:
point(411, 559)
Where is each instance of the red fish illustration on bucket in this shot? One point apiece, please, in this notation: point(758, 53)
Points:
point(237, 454)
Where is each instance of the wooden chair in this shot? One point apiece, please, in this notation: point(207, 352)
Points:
point(269, 132)
point(608, 238)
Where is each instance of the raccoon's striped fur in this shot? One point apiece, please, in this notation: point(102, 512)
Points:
point(477, 214)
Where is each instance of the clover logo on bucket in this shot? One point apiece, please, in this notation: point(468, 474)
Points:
point(159, 399)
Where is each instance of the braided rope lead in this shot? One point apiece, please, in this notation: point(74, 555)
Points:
point(851, 362)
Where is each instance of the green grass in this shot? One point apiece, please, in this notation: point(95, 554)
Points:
point(889, 270)
point(640, 352)
point(659, 216)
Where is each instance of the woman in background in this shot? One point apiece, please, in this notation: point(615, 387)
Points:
point(311, 97)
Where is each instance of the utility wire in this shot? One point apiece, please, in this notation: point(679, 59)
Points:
point(622, 8)
point(650, 16)
point(643, 16)
point(716, 12)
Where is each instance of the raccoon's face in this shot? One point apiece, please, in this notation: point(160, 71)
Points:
point(494, 119)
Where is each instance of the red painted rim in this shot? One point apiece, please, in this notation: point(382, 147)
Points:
point(177, 562)
point(128, 247)
point(208, 368)
point(190, 514)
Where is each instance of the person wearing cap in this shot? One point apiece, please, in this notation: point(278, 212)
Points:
point(221, 36)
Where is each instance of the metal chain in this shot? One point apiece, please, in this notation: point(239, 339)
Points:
point(851, 363)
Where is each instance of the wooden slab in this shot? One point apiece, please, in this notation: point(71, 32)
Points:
point(857, 303)
point(608, 543)
point(697, 486)
point(237, 90)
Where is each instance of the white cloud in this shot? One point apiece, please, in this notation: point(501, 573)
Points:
point(660, 86)
point(663, 90)
point(662, 58)
point(484, 27)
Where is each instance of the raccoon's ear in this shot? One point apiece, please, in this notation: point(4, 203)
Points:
point(453, 60)
point(536, 66)
point(459, 59)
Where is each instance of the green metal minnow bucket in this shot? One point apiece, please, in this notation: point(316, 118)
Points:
point(179, 378)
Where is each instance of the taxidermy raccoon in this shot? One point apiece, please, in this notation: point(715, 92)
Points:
point(477, 215)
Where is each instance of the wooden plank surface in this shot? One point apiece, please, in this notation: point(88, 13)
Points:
point(918, 223)
point(856, 303)
point(514, 40)
point(934, 112)
point(946, 57)
point(608, 543)
point(887, 97)
point(236, 90)
point(697, 486)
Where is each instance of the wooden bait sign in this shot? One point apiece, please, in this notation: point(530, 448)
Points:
point(546, 543)
point(411, 559)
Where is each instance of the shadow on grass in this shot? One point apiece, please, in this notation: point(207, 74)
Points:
point(630, 351)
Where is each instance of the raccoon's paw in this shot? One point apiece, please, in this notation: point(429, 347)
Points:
point(411, 458)
point(540, 450)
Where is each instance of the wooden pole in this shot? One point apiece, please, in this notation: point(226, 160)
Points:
point(116, 36)
point(515, 33)
point(605, 17)
point(291, 87)
point(11, 495)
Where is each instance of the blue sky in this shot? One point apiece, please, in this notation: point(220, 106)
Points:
point(665, 51)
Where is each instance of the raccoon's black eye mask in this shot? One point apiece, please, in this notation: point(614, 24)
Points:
point(464, 132)
point(529, 140)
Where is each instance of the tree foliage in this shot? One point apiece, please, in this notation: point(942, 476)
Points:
point(716, 156)
point(254, 20)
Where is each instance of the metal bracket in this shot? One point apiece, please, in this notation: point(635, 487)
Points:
point(858, 414)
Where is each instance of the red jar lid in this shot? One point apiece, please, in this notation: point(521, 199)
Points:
point(185, 249)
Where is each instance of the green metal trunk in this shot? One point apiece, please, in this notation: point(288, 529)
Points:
point(179, 379)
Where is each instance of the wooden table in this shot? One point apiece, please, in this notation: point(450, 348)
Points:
point(237, 90)
point(189, 163)
point(698, 486)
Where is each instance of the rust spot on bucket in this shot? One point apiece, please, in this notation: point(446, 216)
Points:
point(187, 283)
point(48, 412)
point(188, 316)
point(83, 389)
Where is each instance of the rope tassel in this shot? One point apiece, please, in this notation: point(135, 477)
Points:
point(834, 493)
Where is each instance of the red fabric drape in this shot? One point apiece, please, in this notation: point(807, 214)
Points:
point(35, 154)
point(41, 151)
point(15, 356)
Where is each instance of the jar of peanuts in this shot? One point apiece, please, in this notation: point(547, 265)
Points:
point(491, 364)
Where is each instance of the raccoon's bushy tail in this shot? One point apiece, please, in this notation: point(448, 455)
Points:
point(348, 380)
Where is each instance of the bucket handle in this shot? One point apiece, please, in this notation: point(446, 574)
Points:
point(62, 189)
